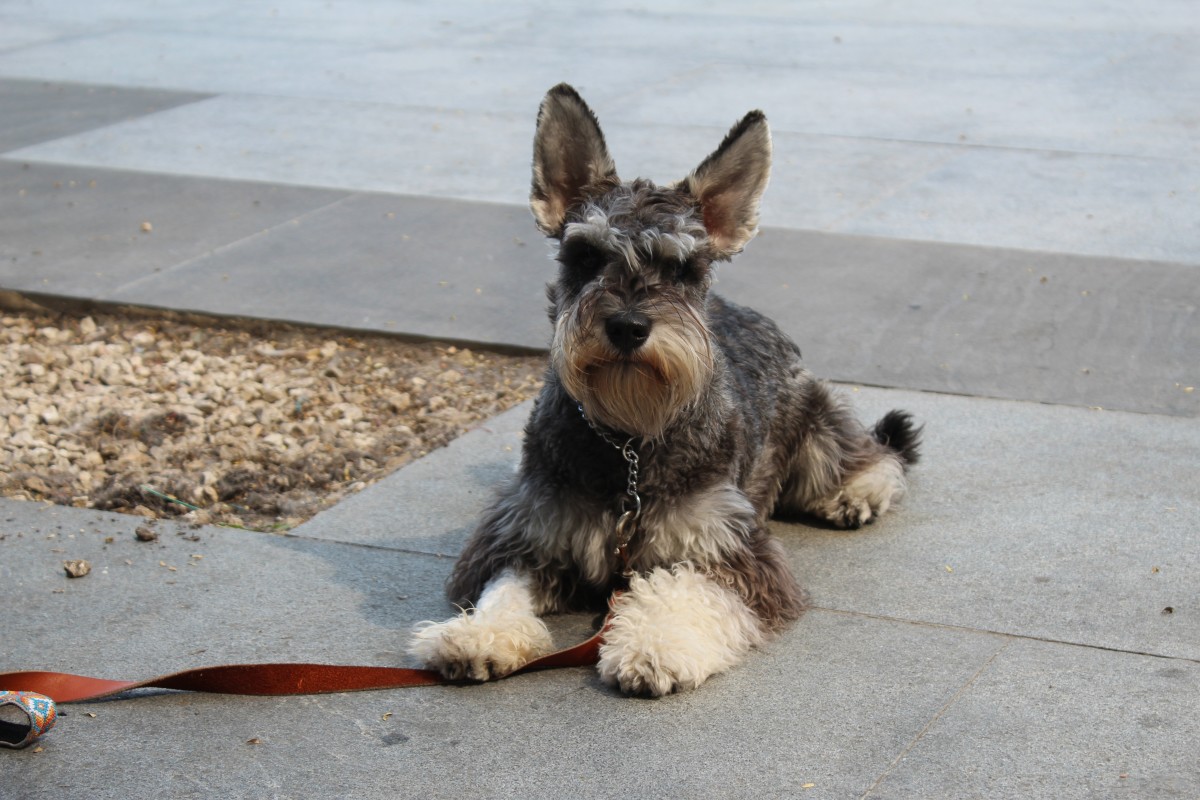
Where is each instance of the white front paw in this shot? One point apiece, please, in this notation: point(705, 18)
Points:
point(672, 630)
point(646, 671)
point(480, 645)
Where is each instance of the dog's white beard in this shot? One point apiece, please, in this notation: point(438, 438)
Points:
point(640, 394)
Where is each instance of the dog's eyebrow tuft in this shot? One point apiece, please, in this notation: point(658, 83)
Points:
point(673, 245)
point(677, 238)
point(599, 230)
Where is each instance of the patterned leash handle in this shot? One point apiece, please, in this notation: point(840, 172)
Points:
point(24, 716)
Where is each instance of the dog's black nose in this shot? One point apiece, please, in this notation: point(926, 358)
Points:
point(628, 330)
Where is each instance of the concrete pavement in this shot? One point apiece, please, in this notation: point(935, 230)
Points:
point(991, 214)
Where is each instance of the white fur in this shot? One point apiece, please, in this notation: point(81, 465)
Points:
point(700, 527)
point(502, 633)
point(867, 495)
point(672, 630)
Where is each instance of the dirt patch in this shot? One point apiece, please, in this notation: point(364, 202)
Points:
point(259, 426)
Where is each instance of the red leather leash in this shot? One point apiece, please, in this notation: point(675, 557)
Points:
point(243, 679)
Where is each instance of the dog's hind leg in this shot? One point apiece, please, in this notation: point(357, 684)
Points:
point(842, 472)
point(866, 494)
point(501, 633)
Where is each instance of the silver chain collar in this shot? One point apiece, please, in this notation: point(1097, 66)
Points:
point(631, 504)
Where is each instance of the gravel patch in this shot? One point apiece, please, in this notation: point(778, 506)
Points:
point(245, 424)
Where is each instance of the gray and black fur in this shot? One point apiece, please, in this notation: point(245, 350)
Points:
point(728, 425)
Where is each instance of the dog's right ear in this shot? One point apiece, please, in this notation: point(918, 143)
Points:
point(729, 184)
point(570, 159)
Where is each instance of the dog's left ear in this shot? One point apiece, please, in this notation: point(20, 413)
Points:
point(729, 184)
point(570, 159)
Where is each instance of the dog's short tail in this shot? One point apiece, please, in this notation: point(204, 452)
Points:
point(896, 432)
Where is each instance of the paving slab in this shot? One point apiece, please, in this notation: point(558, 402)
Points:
point(1051, 522)
point(454, 74)
point(998, 322)
point(1049, 721)
point(40, 111)
point(79, 231)
point(424, 267)
point(196, 596)
point(1133, 208)
point(1067, 128)
point(334, 143)
point(1092, 204)
point(21, 30)
point(306, 17)
point(1071, 100)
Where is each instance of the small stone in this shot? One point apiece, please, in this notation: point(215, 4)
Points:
point(35, 484)
point(145, 534)
point(77, 568)
point(198, 517)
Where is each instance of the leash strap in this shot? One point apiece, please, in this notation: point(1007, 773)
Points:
point(35, 693)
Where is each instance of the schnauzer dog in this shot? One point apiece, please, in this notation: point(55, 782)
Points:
point(672, 425)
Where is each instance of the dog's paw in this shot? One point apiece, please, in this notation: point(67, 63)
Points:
point(653, 670)
point(867, 495)
point(850, 512)
point(672, 630)
point(639, 674)
point(478, 645)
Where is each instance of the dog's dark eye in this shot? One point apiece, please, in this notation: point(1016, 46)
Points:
point(581, 262)
point(686, 271)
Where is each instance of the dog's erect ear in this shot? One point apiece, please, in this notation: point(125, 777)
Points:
point(570, 158)
point(729, 184)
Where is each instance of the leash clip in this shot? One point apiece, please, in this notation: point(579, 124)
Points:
point(631, 503)
point(626, 528)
